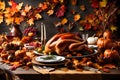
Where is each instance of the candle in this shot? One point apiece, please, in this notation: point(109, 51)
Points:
point(44, 32)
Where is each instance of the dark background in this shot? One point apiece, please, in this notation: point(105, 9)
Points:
point(50, 20)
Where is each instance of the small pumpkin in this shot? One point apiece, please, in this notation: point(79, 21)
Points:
point(107, 34)
point(112, 55)
point(104, 43)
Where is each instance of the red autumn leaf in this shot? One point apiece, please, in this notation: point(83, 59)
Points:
point(13, 4)
point(61, 11)
point(95, 4)
point(87, 26)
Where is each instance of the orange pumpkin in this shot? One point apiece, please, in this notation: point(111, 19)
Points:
point(113, 54)
point(104, 43)
point(107, 34)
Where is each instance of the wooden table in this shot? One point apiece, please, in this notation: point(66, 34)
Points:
point(35, 74)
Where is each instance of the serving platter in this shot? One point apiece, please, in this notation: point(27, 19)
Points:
point(87, 55)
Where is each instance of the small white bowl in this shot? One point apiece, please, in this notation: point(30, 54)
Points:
point(29, 46)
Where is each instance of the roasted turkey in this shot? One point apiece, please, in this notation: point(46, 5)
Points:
point(64, 42)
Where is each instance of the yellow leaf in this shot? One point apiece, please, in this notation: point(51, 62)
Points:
point(9, 20)
point(77, 17)
point(30, 21)
point(103, 3)
point(38, 16)
point(19, 6)
point(50, 12)
point(2, 5)
point(64, 21)
point(113, 28)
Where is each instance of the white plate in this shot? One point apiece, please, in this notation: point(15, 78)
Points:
point(49, 59)
point(37, 53)
point(92, 46)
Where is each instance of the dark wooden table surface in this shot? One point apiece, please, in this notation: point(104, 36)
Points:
point(33, 74)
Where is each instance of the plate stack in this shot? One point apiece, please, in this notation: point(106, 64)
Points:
point(49, 60)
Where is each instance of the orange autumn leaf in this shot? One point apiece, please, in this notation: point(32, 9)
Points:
point(17, 20)
point(2, 5)
point(55, 1)
point(1, 18)
point(50, 12)
point(9, 20)
point(30, 21)
point(13, 6)
point(38, 16)
point(64, 21)
point(82, 7)
point(44, 6)
point(77, 17)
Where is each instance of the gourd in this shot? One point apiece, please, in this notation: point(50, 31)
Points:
point(111, 55)
point(92, 40)
point(104, 43)
point(107, 34)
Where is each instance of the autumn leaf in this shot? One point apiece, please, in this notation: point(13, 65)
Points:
point(23, 13)
point(7, 10)
point(27, 8)
point(103, 3)
point(13, 5)
point(77, 17)
point(95, 4)
point(113, 28)
point(61, 11)
point(50, 12)
point(9, 20)
point(1, 18)
point(82, 7)
point(30, 21)
point(64, 21)
point(2, 5)
point(87, 26)
point(17, 20)
point(38, 16)
point(44, 6)
point(19, 6)
point(55, 1)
